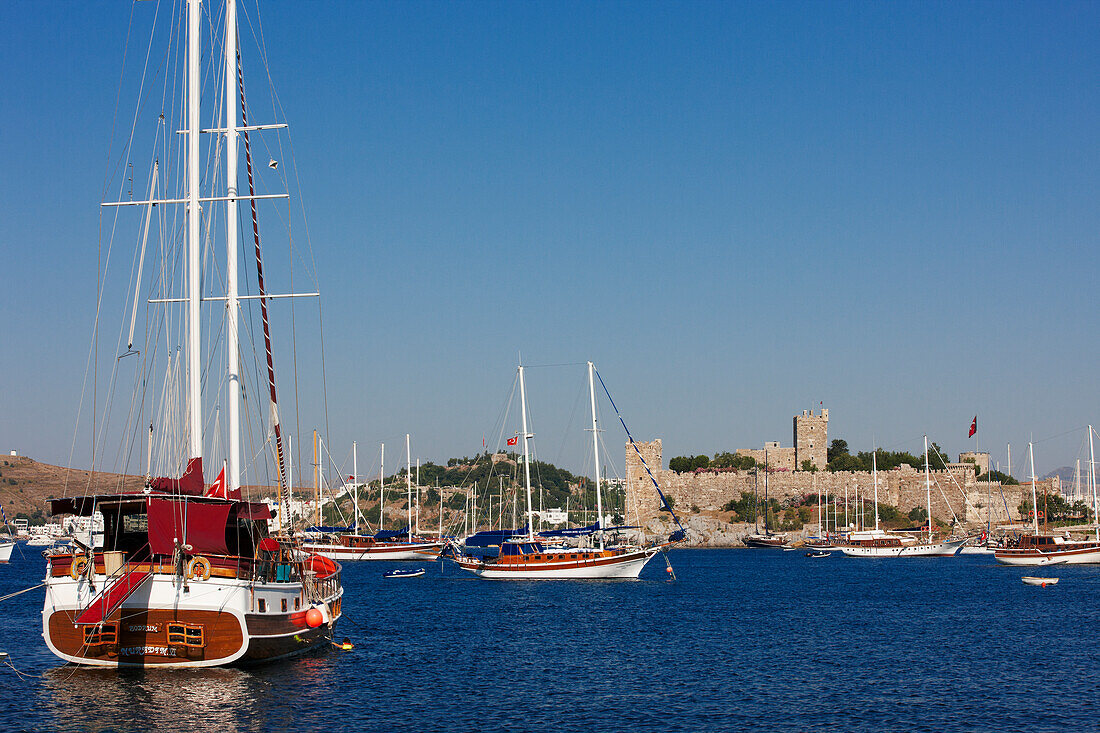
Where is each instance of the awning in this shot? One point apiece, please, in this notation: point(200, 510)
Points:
point(199, 524)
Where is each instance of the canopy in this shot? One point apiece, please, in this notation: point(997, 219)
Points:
point(392, 534)
point(331, 530)
point(253, 510)
point(581, 531)
point(491, 537)
point(199, 524)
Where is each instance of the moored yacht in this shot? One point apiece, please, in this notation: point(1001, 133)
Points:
point(526, 558)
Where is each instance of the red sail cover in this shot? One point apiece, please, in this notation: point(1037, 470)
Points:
point(189, 484)
point(201, 525)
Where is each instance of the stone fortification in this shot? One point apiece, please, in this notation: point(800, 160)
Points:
point(956, 489)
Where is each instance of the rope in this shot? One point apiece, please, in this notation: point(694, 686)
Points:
point(634, 445)
point(21, 592)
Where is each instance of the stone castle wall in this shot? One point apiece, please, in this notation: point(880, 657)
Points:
point(956, 489)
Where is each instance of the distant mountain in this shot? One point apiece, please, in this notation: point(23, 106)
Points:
point(1066, 473)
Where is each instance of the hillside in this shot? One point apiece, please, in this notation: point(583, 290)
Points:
point(26, 484)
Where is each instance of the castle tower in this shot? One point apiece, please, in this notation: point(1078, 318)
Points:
point(639, 489)
point(811, 435)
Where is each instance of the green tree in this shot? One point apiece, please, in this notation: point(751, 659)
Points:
point(808, 465)
point(918, 514)
point(837, 447)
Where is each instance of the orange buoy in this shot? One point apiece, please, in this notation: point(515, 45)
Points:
point(314, 618)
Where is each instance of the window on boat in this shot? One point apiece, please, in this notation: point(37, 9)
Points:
point(186, 635)
point(297, 603)
point(104, 634)
point(284, 605)
point(263, 606)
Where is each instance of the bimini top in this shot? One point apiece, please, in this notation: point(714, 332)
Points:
point(513, 548)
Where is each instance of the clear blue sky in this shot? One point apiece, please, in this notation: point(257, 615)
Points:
point(737, 210)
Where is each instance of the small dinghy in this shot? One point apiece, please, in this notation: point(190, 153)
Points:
point(818, 553)
point(403, 573)
point(1043, 582)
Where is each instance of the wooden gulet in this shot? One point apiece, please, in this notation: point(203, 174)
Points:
point(528, 559)
point(188, 575)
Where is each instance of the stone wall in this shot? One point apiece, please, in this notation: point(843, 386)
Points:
point(954, 490)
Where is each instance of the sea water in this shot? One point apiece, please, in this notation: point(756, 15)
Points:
point(741, 640)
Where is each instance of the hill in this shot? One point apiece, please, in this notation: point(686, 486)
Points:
point(26, 485)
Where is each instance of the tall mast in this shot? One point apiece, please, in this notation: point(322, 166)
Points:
point(316, 481)
point(418, 496)
point(233, 457)
point(928, 488)
point(409, 485)
point(766, 507)
point(874, 473)
point(526, 457)
point(355, 481)
point(596, 452)
point(284, 523)
point(320, 479)
point(194, 360)
point(382, 489)
point(1034, 498)
point(1092, 484)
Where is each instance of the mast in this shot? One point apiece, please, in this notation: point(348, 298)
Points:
point(928, 488)
point(320, 479)
point(526, 456)
point(194, 265)
point(767, 531)
point(316, 481)
point(418, 496)
point(409, 485)
point(874, 474)
point(355, 482)
point(382, 489)
point(289, 482)
point(1092, 484)
point(1034, 498)
point(596, 452)
point(232, 304)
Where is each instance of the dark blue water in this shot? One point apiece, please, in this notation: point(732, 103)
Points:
point(742, 640)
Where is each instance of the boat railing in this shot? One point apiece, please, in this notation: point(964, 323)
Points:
point(321, 589)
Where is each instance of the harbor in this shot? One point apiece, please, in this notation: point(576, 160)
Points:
point(517, 366)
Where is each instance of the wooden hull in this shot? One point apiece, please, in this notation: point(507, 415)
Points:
point(1088, 555)
point(626, 565)
point(422, 551)
point(214, 622)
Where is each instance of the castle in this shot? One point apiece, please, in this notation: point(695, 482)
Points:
point(811, 435)
point(956, 491)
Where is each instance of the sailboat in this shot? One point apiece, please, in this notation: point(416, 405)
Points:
point(1048, 549)
point(527, 558)
point(382, 545)
point(188, 574)
point(880, 543)
point(5, 551)
point(767, 540)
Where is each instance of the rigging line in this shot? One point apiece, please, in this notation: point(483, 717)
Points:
point(550, 366)
point(634, 445)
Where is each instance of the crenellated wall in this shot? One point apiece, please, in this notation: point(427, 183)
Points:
point(902, 487)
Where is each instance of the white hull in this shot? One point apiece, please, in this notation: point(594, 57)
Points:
point(415, 551)
point(1089, 556)
point(947, 548)
point(976, 550)
point(626, 566)
point(5, 551)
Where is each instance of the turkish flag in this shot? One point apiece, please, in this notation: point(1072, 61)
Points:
point(512, 441)
point(973, 427)
point(218, 489)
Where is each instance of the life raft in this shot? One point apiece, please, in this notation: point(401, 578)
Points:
point(80, 564)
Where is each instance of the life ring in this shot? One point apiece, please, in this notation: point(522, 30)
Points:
point(199, 568)
point(80, 564)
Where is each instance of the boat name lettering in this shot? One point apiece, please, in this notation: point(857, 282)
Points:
point(143, 627)
point(154, 651)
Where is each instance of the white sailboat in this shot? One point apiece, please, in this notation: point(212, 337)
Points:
point(527, 558)
point(879, 543)
point(1048, 549)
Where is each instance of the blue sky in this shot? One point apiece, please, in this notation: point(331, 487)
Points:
point(737, 210)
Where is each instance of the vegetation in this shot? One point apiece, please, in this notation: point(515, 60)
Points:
point(1056, 510)
point(840, 459)
point(684, 464)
